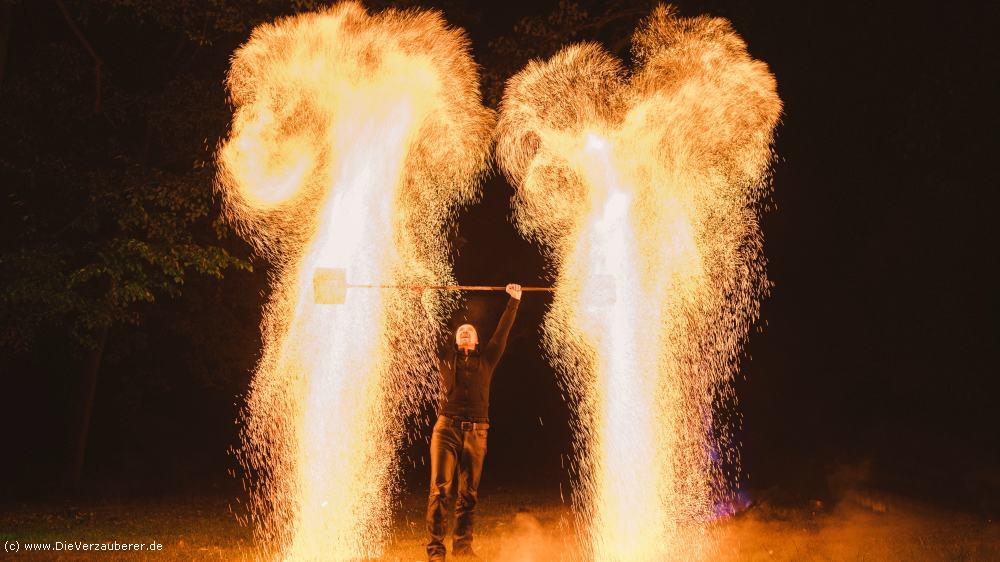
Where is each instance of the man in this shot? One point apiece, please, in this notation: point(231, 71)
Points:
point(458, 444)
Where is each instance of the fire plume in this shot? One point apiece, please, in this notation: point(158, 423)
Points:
point(646, 184)
point(355, 139)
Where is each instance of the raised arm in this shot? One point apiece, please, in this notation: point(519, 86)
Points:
point(498, 343)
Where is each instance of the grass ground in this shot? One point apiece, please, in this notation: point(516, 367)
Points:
point(518, 527)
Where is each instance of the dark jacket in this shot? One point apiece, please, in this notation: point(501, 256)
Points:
point(466, 376)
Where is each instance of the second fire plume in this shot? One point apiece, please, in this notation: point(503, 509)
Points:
point(355, 139)
point(653, 178)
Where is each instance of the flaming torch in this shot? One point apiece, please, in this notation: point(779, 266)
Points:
point(355, 139)
point(651, 179)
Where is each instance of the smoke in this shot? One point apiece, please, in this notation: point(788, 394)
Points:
point(860, 524)
point(527, 541)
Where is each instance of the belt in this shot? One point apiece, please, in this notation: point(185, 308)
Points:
point(465, 425)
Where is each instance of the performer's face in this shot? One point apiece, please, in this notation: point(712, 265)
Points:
point(466, 337)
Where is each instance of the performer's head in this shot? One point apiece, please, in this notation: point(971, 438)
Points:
point(466, 337)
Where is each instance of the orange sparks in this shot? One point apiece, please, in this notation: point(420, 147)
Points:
point(355, 140)
point(646, 184)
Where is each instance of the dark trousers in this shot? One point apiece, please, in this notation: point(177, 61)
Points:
point(457, 448)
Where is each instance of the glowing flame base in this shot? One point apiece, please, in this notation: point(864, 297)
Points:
point(646, 185)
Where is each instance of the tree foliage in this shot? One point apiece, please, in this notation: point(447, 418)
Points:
point(106, 207)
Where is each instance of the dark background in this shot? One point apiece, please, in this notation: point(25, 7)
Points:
point(874, 356)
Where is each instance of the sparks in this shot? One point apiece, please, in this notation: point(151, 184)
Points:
point(355, 140)
point(647, 184)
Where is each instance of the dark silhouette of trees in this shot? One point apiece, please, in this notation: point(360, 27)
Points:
point(106, 163)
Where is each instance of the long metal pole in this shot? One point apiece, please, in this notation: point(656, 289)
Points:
point(448, 287)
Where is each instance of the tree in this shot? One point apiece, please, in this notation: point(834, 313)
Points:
point(109, 199)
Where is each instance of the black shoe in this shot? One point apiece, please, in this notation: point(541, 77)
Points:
point(466, 553)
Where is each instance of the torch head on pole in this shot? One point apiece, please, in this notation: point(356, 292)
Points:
point(329, 285)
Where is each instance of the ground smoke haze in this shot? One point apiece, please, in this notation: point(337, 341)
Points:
point(355, 139)
point(644, 187)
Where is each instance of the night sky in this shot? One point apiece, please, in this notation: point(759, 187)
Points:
point(875, 346)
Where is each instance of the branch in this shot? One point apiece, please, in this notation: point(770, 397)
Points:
point(98, 63)
point(612, 16)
